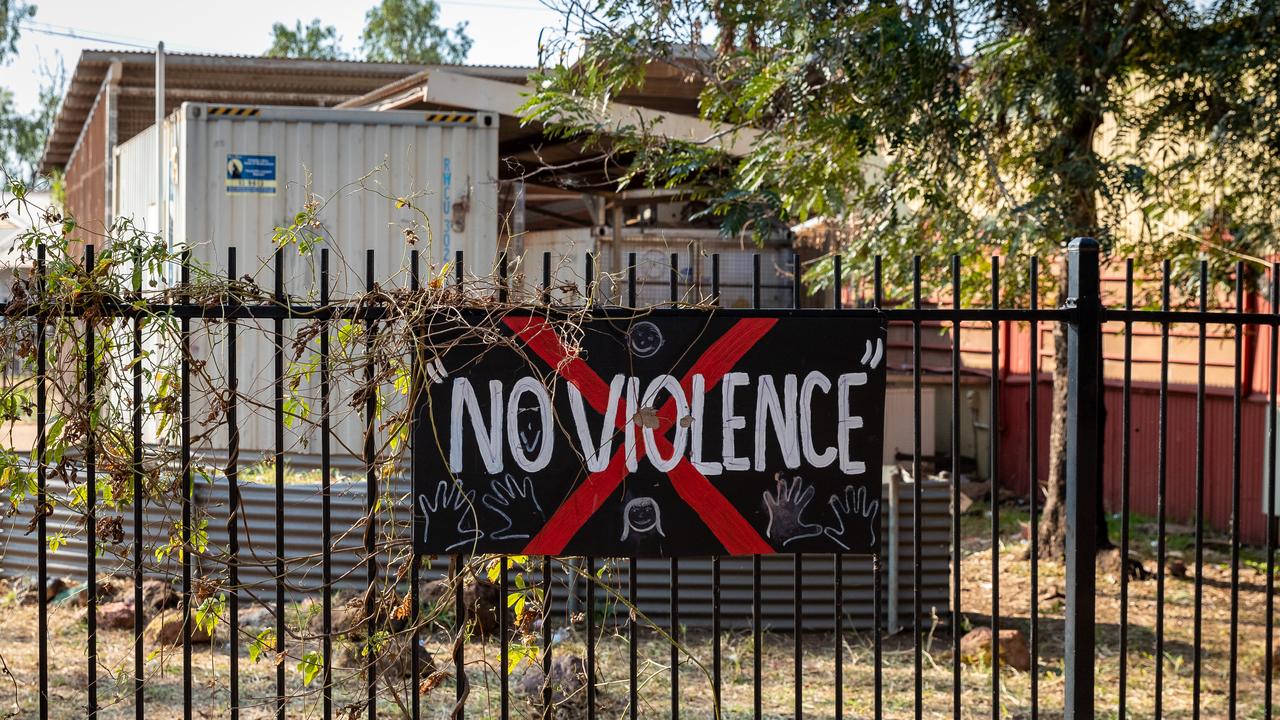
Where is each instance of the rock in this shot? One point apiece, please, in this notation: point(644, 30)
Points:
point(255, 618)
point(158, 595)
point(53, 588)
point(975, 648)
point(166, 630)
point(432, 592)
point(1051, 594)
point(110, 589)
point(1177, 567)
point(567, 680)
point(115, 616)
point(483, 599)
point(28, 593)
point(971, 491)
point(1111, 563)
point(394, 658)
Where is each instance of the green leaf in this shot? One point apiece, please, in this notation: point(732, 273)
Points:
point(310, 665)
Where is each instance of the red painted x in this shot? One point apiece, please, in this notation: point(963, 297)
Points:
point(732, 530)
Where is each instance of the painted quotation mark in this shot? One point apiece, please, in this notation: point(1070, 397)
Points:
point(874, 353)
point(436, 371)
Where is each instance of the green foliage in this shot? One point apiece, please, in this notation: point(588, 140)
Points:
point(12, 13)
point(408, 31)
point(310, 665)
point(975, 128)
point(23, 134)
point(264, 642)
point(313, 41)
point(209, 612)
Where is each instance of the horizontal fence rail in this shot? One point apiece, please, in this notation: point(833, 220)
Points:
point(287, 529)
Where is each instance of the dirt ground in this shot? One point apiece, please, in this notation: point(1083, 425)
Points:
point(18, 677)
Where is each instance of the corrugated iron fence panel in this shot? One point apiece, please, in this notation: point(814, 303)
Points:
point(305, 543)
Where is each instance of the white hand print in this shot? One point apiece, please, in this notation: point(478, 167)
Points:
point(450, 509)
point(507, 495)
point(858, 508)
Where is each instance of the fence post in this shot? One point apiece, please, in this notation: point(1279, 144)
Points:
point(1084, 375)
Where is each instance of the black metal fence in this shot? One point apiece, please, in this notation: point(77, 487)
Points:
point(842, 672)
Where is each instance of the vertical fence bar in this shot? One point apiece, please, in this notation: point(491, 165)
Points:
point(837, 302)
point(590, 561)
point(233, 497)
point(326, 496)
point(547, 710)
point(546, 277)
point(1268, 656)
point(716, 650)
point(674, 292)
point(1033, 462)
point(139, 620)
point(1083, 419)
point(633, 666)
point(917, 537)
point(415, 566)
point(371, 493)
point(42, 523)
point(502, 569)
point(797, 600)
point(503, 639)
point(1125, 451)
point(277, 357)
point(993, 436)
point(1198, 600)
point(1239, 378)
point(757, 603)
point(188, 501)
point(877, 569)
point(462, 685)
point(633, 599)
point(1162, 478)
point(91, 491)
point(546, 637)
point(957, 586)
point(589, 613)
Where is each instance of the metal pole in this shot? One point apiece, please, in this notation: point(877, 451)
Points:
point(161, 195)
point(1084, 373)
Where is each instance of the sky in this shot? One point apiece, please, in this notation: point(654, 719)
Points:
point(505, 31)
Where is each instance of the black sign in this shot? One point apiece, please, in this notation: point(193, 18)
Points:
point(657, 434)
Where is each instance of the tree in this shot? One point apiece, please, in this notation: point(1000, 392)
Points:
point(946, 128)
point(407, 31)
point(314, 41)
point(12, 13)
point(22, 135)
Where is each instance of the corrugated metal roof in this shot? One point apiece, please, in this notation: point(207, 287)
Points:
point(219, 78)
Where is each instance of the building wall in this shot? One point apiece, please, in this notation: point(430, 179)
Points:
point(86, 176)
point(1144, 452)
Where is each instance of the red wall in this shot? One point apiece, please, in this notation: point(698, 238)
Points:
point(1144, 451)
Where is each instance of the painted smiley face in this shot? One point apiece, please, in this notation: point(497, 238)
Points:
point(645, 339)
point(642, 516)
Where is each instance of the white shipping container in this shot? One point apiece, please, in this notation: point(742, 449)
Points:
point(235, 174)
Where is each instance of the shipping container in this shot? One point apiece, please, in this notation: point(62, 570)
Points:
point(389, 182)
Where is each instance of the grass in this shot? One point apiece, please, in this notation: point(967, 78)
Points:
point(164, 684)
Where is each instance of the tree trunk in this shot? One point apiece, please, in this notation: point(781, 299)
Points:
point(1083, 220)
point(1053, 525)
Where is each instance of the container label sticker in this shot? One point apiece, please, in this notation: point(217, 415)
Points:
point(251, 174)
